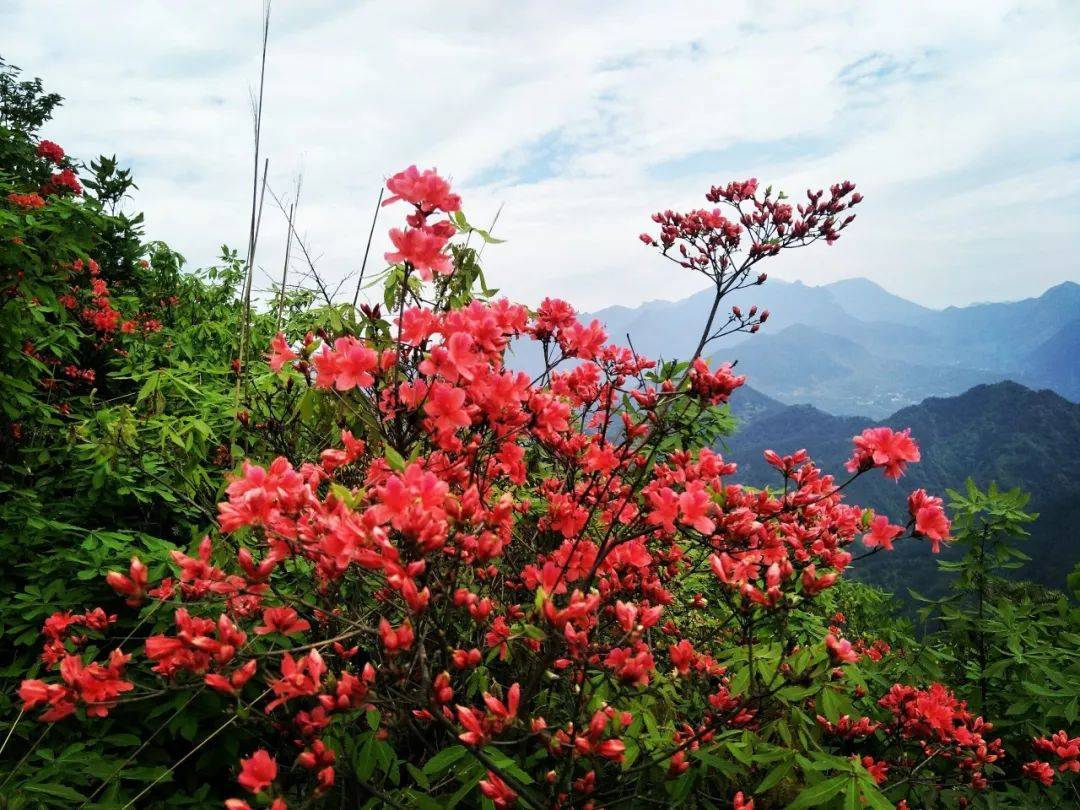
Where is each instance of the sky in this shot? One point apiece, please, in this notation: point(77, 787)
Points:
point(958, 119)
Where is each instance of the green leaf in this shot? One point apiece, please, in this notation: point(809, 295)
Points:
point(741, 752)
point(394, 459)
point(444, 759)
point(365, 759)
point(773, 777)
point(818, 794)
point(418, 776)
point(306, 406)
point(851, 796)
point(724, 766)
point(56, 791)
point(830, 705)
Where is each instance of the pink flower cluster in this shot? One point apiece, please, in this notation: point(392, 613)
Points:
point(1058, 746)
point(943, 726)
point(420, 246)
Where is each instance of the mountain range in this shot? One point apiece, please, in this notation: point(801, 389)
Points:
point(851, 347)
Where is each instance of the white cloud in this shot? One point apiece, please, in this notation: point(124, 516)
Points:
point(958, 120)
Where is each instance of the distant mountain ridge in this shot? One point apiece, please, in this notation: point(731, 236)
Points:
point(853, 347)
point(1003, 432)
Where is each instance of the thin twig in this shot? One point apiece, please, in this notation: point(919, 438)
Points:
point(26, 756)
point(371, 234)
point(246, 309)
point(12, 730)
point(285, 270)
point(327, 296)
point(193, 751)
point(256, 203)
point(491, 230)
point(139, 750)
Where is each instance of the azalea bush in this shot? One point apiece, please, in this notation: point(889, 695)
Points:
point(435, 580)
point(117, 414)
point(79, 298)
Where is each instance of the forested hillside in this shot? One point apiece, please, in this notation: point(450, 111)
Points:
point(1002, 432)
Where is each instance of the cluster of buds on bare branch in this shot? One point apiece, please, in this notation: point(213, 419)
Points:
point(724, 245)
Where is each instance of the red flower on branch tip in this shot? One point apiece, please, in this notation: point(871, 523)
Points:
point(426, 190)
point(282, 620)
point(500, 793)
point(883, 447)
point(52, 152)
point(258, 771)
point(133, 586)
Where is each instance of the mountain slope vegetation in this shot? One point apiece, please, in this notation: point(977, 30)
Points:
point(1003, 432)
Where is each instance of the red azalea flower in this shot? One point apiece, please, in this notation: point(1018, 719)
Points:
point(282, 620)
point(50, 151)
point(132, 586)
point(498, 791)
point(62, 182)
point(882, 447)
point(1039, 771)
point(422, 248)
point(257, 772)
point(840, 650)
point(426, 190)
point(928, 512)
point(882, 533)
point(279, 353)
point(29, 201)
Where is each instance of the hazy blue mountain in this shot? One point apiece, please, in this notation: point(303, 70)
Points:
point(840, 375)
point(1056, 362)
point(853, 347)
point(1002, 334)
point(863, 299)
point(1003, 432)
point(671, 329)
